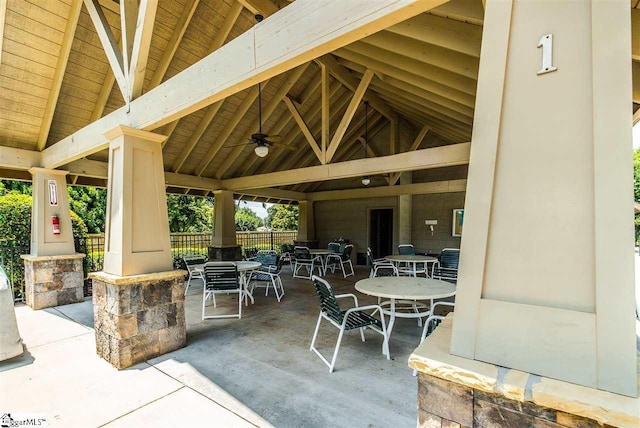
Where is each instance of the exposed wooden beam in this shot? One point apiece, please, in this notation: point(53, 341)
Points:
point(173, 43)
point(281, 94)
point(348, 115)
point(326, 131)
point(58, 76)
point(414, 146)
point(14, 158)
point(435, 56)
point(313, 29)
point(218, 40)
point(449, 186)
point(203, 125)
point(413, 78)
point(128, 20)
point(109, 44)
point(276, 156)
point(344, 76)
point(437, 157)
point(3, 18)
point(447, 33)
point(310, 89)
point(141, 46)
point(636, 117)
point(103, 97)
point(228, 129)
point(304, 128)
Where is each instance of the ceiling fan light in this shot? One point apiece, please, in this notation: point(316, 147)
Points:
point(261, 151)
point(366, 180)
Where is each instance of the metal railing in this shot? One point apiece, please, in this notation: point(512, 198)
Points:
point(181, 244)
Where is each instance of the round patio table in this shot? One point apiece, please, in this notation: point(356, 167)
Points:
point(246, 267)
point(412, 260)
point(405, 288)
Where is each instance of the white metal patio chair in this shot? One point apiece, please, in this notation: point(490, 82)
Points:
point(306, 261)
point(268, 274)
point(433, 321)
point(380, 267)
point(341, 260)
point(194, 266)
point(446, 268)
point(221, 278)
point(350, 319)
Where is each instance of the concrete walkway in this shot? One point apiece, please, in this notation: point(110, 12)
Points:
point(254, 371)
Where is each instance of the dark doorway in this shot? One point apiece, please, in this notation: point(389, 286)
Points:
point(381, 232)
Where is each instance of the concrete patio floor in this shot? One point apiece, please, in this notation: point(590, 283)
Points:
point(254, 371)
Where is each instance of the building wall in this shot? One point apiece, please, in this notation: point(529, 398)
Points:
point(350, 219)
point(439, 207)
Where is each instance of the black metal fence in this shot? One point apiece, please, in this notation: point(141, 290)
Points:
point(181, 244)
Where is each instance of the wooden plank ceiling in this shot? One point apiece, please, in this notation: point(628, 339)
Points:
point(55, 79)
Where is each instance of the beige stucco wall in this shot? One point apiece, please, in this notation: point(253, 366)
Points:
point(435, 207)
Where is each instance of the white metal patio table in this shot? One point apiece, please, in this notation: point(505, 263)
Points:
point(323, 253)
point(412, 260)
point(405, 288)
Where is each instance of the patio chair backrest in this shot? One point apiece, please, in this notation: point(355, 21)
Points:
point(406, 250)
point(267, 259)
point(370, 256)
point(193, 260)
point(449, 258)
point(328, 302)
point(334, 246)
point(346, 253)
point(221, 276)
point(286, 248)
point(302, 253)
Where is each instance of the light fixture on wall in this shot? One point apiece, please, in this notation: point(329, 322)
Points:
point(366, 180)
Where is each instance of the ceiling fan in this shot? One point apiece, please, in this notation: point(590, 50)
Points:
point(261, 140)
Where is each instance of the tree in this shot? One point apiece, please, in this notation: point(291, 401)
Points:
point(282, 217)
point(192, 214)
point(246, 219)
point(90, 203)
point(636, 190)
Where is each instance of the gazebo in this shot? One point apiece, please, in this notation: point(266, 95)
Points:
point(518, 112)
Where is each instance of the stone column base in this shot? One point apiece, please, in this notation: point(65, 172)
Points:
point(225, 253)
point(458, 392)
point(138, 317)
point(53, 280)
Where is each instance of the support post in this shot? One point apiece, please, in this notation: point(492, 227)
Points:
point(405, 203)
point(546, 270)
point(306, 225)
point(223, 242)
point(53, 270)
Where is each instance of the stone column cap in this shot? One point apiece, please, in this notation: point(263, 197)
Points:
point(44, 258)
point(155, 276)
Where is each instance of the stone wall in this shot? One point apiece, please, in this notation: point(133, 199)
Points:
point(139, 317)
point(444, 404)
point(53, 280)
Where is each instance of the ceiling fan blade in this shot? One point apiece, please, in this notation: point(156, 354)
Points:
point(273, 138)
point(285, 146)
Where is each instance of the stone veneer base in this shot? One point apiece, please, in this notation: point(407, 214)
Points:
point(458, 392)
point(138, 317)
point(53, 280)
point(225, 253)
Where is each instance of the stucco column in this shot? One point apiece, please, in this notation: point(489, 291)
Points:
point(138, 299)
point(223, 241)
point(405, 203)
point(137, 225)
point(306, 222)
point(53, 270)
point(546, 271)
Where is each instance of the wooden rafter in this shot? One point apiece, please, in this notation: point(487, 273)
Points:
point(230, 126)
point(266, 114)
point(109, 44)
point(348, 115)
point(61, 66)
point(128, 21)
point(304, 128)
point(344, 76)
point(393, 179)
point(380, 192)
point(267, 52)
point(264, 7)
point(212, 110)
point(326, 129)
point(141, 45)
